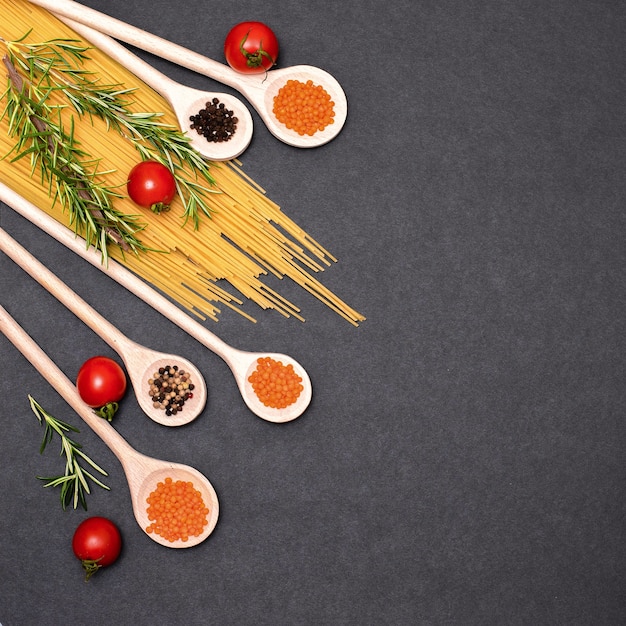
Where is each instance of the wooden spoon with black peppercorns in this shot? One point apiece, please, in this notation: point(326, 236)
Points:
point(173, 407)
point(259, 89)
point(227, 128)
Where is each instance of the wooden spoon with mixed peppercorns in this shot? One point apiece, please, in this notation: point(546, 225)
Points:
point(176, 404)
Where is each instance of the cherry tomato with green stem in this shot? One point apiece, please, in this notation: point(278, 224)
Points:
point(151, 185)
point(101, 383)
point(97, 543)
point(251, 47)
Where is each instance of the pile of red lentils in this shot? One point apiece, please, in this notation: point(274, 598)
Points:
point(305, 108)
point(176, 511)
point(275, 385)
point(170, 388)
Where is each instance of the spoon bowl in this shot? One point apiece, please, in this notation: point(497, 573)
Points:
point(140, 362)
point(147, 472)
point(142, 472)
point(243, 364)
point(185, 101)
point(259, 89)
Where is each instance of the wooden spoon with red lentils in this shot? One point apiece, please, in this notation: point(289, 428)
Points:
point(155, 485)
point(272, 93)
point(169, 389)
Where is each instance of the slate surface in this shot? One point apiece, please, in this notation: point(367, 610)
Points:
point(462, 461)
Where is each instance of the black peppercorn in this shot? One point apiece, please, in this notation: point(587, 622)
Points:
point(215, 122)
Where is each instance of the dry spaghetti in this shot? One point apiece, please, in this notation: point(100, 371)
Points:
point(247, 238)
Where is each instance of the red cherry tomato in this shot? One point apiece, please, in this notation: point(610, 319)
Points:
point(97, 543)
point(151, 185)
point(251, 47)
point(101, 383)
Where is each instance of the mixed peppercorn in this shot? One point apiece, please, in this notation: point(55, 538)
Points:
point(170, 388)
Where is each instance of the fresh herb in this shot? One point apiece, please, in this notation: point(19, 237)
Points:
point(57, 65)
point(72, 178)
point(73, 482)
point(166, 144)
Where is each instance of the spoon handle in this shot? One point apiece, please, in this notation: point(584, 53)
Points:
point(145, 41)
point(144, 71)
point(60, 383)
point(37, 270)
point(118, 273)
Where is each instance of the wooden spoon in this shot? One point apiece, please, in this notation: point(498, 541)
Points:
point(184, 100)
point(141, 363)
point(142, 472)
point(259, 89)
point(240, 362)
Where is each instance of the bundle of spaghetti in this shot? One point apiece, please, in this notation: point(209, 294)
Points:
point(247, 238)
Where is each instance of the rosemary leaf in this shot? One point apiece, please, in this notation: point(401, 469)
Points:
point(74, 483)
point(71, 175)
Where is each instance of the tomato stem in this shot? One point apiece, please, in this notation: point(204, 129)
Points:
point(254, 59)
point(91, 567)
point(160, 207)
point(108, 411)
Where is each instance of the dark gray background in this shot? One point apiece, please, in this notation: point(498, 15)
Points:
point(462, 461)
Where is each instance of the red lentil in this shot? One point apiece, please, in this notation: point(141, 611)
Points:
point(276, 385)
point(304, 107)
point(176, 510)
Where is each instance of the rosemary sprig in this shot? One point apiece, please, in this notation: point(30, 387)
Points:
point(58, 64)
point(72, 178)
point(74, 482)
point(166, 144)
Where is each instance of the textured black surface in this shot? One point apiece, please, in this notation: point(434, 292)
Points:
point(462, 461)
